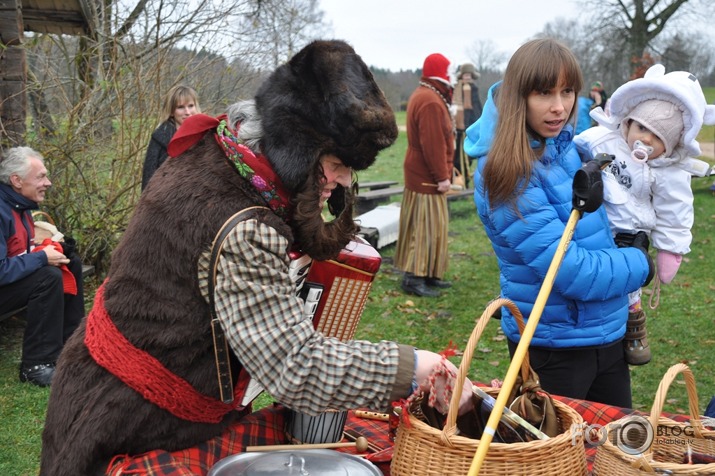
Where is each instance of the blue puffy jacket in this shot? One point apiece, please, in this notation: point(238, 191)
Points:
point(588, 304)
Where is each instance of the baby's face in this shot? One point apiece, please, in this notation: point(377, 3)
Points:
point(639, 132)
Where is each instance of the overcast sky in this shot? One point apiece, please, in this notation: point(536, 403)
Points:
point(399, 34)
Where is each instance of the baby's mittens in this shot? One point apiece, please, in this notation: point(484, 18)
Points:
point(667, 264)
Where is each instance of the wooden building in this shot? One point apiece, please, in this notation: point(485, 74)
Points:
point(69, 17)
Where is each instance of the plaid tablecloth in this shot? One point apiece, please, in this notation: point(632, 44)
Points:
point(267, 427)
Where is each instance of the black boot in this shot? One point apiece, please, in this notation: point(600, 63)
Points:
point(437, 283)
point(416, 285)
point(40, 375)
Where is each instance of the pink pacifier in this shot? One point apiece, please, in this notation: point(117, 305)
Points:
point(641, 152)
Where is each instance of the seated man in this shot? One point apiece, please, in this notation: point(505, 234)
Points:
point(37, 279)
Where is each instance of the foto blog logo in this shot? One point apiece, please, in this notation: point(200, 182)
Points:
point(633, 434)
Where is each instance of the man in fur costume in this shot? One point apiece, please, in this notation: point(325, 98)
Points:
point(139, 373)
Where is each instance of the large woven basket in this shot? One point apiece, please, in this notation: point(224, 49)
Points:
point(423, 450)
point(670, 439)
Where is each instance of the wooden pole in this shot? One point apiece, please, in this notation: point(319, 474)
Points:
point(523, 345)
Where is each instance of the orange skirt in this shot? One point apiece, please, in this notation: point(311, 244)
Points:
point(422, 240)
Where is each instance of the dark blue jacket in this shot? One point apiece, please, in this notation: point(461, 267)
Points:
point(588, 304)
point(16, 267)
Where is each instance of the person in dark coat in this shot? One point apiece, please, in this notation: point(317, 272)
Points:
point(47, 279)
point(181, 102)
point(469, 109)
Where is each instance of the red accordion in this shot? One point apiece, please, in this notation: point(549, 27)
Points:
point(335, 291)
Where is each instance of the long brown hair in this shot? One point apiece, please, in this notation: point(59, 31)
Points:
point(536, 66)
point(321, 239)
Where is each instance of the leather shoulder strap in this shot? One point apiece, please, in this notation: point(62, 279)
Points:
point(221, 351)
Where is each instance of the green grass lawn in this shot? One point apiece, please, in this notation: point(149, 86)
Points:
point(682, 329)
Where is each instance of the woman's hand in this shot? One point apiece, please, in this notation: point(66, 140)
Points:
point(444, 186)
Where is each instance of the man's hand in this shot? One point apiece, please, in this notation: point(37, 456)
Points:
point(426, 362)
point(54, 257)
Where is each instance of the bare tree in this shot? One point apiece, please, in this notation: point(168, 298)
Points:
point(283, 28)
point(609, 43)
point(632, 26)
point(101, 95)
point(486, 56)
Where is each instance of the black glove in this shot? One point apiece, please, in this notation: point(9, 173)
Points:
point(640, 241)
point(69, 246)
point(588, 184)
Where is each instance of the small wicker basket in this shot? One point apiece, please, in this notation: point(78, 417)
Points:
point(669, 444)
point(423, 450)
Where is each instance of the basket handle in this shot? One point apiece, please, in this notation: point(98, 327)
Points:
point(662, 392)
point(46, 216)
point(450, 426)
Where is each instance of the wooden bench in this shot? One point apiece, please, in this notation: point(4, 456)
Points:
point(377, 185)
point(87, 270)
point(368, 200)
point(459, 194)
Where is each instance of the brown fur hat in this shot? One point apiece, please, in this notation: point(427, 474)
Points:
point(323, 101)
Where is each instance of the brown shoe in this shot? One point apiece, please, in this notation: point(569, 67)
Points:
point(636, 339)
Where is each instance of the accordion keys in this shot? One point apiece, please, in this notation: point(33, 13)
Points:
point(335, 291)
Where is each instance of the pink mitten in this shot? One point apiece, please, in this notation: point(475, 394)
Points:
point(667, 264)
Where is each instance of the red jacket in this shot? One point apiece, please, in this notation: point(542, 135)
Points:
point(430, 138)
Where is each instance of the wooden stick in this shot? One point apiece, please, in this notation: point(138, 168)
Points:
point(372, 415)
point(353, 435)
point(360, 444)
point(451, 187)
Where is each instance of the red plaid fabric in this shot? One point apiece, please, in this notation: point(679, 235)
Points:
point(260, 428)
point(267, 427)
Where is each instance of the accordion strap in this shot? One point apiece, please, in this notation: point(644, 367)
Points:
point(221, 351)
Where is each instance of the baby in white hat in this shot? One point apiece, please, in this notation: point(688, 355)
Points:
point(651, 128)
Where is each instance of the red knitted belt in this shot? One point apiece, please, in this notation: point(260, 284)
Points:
point(146, 375)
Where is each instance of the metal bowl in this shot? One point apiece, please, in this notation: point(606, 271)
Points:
point(298, 462)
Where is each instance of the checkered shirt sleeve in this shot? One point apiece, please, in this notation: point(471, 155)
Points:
point(263, 319)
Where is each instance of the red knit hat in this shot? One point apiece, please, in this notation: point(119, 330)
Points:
point(436, 65)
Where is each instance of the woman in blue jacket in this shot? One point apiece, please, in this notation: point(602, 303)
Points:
point(523, 192)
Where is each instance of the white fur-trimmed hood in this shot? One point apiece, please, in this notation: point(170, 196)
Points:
point(678, 87)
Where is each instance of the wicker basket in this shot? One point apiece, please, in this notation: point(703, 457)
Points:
point(45, 227)
point(665, 454)
point(421, 449)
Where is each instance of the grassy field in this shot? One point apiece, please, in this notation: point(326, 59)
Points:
point(680, 330)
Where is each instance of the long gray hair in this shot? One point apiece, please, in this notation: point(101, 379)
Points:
point(250, 130)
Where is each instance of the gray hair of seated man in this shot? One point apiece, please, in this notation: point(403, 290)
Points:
point(16, 161)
